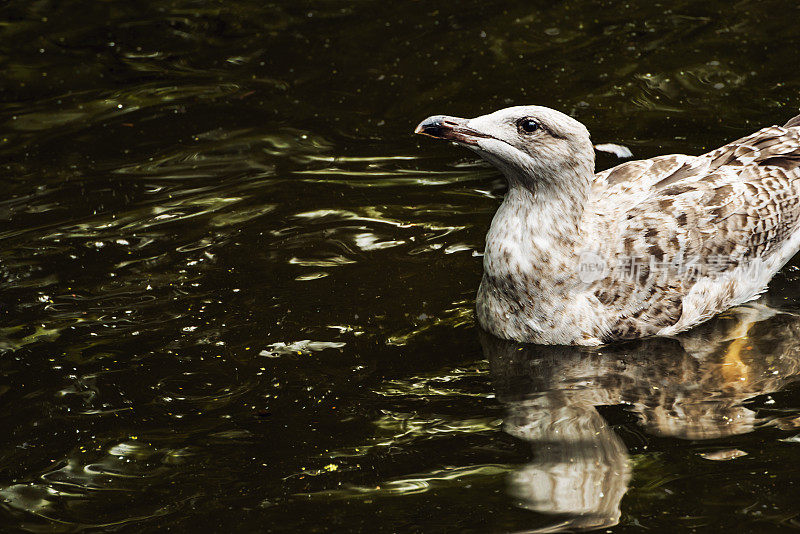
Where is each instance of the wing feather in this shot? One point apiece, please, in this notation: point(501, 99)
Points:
point(715, 213)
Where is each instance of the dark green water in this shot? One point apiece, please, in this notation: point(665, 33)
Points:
point(236, 293)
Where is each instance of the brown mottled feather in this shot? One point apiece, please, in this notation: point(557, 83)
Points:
point(729, 206)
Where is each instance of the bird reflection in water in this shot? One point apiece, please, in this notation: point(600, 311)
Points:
point(691, 386)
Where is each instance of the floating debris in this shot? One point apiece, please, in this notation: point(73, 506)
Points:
point(723, 455)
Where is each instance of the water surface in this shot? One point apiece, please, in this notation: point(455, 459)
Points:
point(236, 294)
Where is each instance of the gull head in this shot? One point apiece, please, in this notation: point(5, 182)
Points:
point(531, 145)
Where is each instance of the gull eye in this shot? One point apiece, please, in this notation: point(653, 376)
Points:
point(528, 125)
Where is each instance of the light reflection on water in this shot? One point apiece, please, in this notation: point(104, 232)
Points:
point(698, 387)
point(236, 294)
point(692, 387)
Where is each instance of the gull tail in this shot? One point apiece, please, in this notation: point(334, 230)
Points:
point(794, 121)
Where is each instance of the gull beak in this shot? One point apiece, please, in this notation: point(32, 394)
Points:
point(449, 128)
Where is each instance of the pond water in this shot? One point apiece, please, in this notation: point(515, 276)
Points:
point(237, 292)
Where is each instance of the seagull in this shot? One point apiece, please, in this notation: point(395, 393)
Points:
point(647, 248)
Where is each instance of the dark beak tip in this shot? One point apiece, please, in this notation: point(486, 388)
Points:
point(433, 126)
point(428, 124)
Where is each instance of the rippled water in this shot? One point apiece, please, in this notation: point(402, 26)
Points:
point(237, 293)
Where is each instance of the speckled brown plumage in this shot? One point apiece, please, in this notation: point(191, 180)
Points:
point(650, 247)
point(733, 205)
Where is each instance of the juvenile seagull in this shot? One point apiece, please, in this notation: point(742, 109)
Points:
point(650, 247)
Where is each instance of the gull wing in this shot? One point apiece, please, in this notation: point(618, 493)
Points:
point(731, 215)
